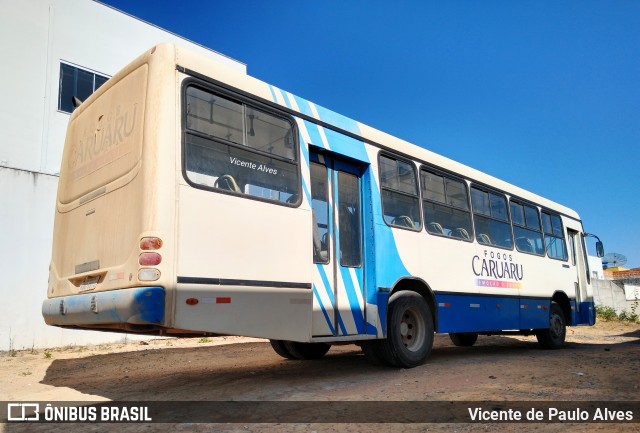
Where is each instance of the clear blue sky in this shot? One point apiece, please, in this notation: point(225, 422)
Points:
point(543, 94)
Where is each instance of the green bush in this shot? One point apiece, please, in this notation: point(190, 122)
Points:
point(628, 317)
point(608, 314)
point(605, 313)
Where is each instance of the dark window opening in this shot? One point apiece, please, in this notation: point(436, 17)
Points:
point(76, 82)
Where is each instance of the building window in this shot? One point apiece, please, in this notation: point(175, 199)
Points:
point(76, 82)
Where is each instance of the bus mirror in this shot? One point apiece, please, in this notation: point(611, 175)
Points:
point(599, 249)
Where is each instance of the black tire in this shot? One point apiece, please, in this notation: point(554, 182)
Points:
point(372, 352)
point(554, 336)
point(409, 331)
point(280, 348)
point(463, 339)
point(306, 350)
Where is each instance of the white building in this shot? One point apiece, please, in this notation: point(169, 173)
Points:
point(52, 49)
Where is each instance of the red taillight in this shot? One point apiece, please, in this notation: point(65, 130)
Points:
point(192, 301)
point(150, 244)
point(149, 259)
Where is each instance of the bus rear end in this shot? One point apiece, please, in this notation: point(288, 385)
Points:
point(108, 268)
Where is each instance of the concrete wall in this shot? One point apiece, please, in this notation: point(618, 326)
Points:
point(35, 36)
point(26, 213)
point(614, 294)
point(632, 290)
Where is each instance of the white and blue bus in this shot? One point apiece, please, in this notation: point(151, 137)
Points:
point(195, 200)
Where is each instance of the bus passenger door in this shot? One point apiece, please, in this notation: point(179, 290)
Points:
point(578, 262)
point(338, 285)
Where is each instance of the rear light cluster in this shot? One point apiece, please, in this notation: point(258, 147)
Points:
point(149, 258)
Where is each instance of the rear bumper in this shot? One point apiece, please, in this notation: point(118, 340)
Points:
point(135, 306)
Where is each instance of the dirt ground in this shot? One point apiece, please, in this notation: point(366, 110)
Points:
point(600, 363)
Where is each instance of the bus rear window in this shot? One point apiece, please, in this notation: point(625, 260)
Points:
point(237, 148)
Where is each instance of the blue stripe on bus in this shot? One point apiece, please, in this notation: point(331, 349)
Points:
point(386, 250)
point(273, 94)
point(333, 118)
point(382, 299)
point(304, 150)
point(324, 311)
point(327, 286)
point(303, 106)
point(314, 134)
point(286, 99)
point(354, 305)
point(307, 194)
point(346, 145)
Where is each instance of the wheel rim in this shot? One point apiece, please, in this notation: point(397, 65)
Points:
point(556, 326)
point(412, 329)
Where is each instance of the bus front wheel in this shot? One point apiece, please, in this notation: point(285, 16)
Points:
point(553, 336)
point(409, 331)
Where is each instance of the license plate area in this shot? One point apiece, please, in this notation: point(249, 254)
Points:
point(89, 283)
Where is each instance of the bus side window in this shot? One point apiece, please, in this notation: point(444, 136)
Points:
point(491, 218)
point(319, 212)
point(445, 205)
point(231, 146)
point(398, 185)
point(349, 220)
point(526, 228)
point(554, 236)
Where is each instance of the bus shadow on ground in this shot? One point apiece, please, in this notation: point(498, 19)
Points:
point(252, 371)
point(632, 334)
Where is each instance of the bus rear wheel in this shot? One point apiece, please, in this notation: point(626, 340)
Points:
point(295, 350)
point(553, 337)
point(409, 332)
point(463, 339)
point(280, 348)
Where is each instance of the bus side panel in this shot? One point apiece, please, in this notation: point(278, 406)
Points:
point(257, 254)
point(469, 313)
point(584, 315)
point(277, 313)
